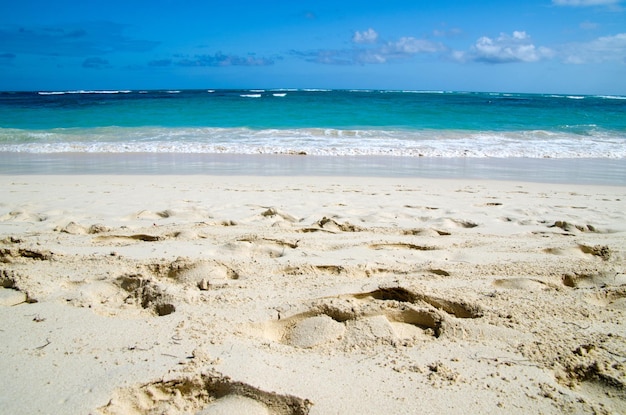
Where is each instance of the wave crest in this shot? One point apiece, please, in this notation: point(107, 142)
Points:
point(580, 142)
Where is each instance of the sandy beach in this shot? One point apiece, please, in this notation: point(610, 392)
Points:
point(201, 294)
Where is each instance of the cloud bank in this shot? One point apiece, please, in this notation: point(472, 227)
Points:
point(517, 47)
point(368, 48)
point(218, 59)
point(221, 59)
point(602, 49)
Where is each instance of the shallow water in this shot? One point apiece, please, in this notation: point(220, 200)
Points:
point(575, 171)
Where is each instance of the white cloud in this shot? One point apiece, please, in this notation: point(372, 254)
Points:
point(504, 49)
point(585, 3)
point(602, 49)
point(371, 51)
point(403, 48)
point(368, 36)
point(410, 46)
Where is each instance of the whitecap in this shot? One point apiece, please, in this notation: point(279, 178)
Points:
point(250, 95)
point(611, 96)
point(421, 92)
point(280, 94)
point(82, 91)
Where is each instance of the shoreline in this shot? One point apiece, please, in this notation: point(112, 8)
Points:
point(556, 171)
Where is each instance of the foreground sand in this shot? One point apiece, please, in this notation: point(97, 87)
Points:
point(260, 295)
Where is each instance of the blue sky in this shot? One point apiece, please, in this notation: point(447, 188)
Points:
point(551, 46)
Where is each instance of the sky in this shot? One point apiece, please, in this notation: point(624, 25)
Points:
point(536, 46)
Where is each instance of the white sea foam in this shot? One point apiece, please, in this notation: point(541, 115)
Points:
point(318, 141)
point(81, 91)
point(99, 92)
point(611, 96)
point(250, 95)
point(281, 94)
point(422, 92)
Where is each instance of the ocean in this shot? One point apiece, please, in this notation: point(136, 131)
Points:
point(337, 124)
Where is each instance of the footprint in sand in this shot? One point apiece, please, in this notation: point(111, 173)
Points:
point(23, 216)
point(147, 294)
point(594, 279)
point(386, 315)
point(155, 287)
point(459, 309)
point(272, 212)
point(334, 270)
point(74, 228)
point(331, 226)
point(253, 245)
point(572, 227)
point(424, 232)
point(528, 284)
point(11, 255)
point(130, 289)
point(602, 252)
point(128, 239)
point(313, 331)
point(200, 274)
point(402, 245)
point(206, 394)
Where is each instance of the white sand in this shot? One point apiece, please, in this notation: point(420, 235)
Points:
point(277, 295)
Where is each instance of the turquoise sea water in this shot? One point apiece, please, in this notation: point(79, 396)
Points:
point(315, 122)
